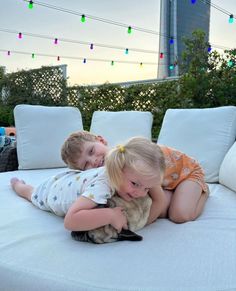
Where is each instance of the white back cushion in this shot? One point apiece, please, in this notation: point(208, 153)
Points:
point(117, 127)
point(41, 131)
point(227, 174)
point(205, 134)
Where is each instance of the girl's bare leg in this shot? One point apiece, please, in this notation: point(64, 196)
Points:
point(187, 202)
point(21, 188)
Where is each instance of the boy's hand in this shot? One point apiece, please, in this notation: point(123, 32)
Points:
point(118, 219)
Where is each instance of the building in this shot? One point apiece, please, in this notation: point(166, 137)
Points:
point(179, 18)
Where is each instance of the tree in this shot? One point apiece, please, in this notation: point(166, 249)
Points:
point(209, 78)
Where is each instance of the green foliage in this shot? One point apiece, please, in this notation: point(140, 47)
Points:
point(209, 81)
point(44, 86)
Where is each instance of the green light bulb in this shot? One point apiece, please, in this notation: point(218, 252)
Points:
point(129, 29)
point(31, 4)
point(231, 18)
point(83, 18)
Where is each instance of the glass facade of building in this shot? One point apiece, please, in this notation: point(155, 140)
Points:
point(178, 19)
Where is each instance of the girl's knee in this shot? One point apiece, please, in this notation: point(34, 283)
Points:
point(179, 216)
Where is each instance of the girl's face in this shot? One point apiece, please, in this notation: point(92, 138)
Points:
point(135, 185)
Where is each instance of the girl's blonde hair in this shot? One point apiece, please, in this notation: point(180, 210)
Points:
point(138, 154)
point(72, 148)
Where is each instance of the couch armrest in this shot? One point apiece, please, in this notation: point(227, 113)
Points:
point(8, 159)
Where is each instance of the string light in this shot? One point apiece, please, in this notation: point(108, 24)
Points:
point(209, 48)
point(126, 51)
point(82, 18)
point(79, 42)
point(61, 9)
point(31, 4)
point(8, 53)
point(20, 35)
point(91, 46)
point(231, 18)
point(33, 56)
point(79, 58)
point(129, 29)
point(161, 55)
point(84, 61)
point(56, 41)
point(112, 63)
point(108, 21)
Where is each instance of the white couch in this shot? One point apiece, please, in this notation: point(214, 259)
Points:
point(37, 253)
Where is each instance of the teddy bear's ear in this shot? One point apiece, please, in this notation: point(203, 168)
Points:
point(127, 234)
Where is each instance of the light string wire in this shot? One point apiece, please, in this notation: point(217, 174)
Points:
point(97, 44)
point(77, 41)
point(79, 58)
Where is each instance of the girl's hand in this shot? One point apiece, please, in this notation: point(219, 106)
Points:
point(118, 219)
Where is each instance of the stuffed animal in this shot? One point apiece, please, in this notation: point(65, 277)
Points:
point(136, 211)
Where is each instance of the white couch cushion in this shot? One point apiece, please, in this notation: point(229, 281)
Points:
point(117, 127)
point(227, 174)
point(205, 134)
point(41, 131)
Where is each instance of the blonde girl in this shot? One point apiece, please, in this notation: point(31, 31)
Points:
point(179, 191)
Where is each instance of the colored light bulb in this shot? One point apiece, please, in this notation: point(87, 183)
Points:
point(84, 61)
point(91, 46)
point(171, 67)
point(193, 1)
point(8, 53)
point(171, 40)
point(31, 4)
point(33, 55)
point(112, 63)
point(161, 55)
point(20, 35)
point(231, 18)
point(141, 65)
point(82, 18)
point(129, 29)
point(56, 41)
point(58, 58)
point(126, 51)
point(209, 48)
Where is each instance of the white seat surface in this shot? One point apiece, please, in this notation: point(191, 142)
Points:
point(37, 253)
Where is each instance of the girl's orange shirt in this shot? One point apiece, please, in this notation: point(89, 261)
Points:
point(180, 167)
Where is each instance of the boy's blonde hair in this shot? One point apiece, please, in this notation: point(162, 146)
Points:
point(138, 154)
point(72, 148)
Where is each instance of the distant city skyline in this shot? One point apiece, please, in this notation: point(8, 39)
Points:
point(16, 16)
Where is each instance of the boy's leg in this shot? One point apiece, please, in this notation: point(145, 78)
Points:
point(21, 188)
point(187, 202)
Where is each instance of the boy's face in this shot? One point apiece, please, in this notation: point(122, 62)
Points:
point(93, 154)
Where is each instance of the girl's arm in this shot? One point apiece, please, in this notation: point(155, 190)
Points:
point(83, 215)
point(159, 203)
